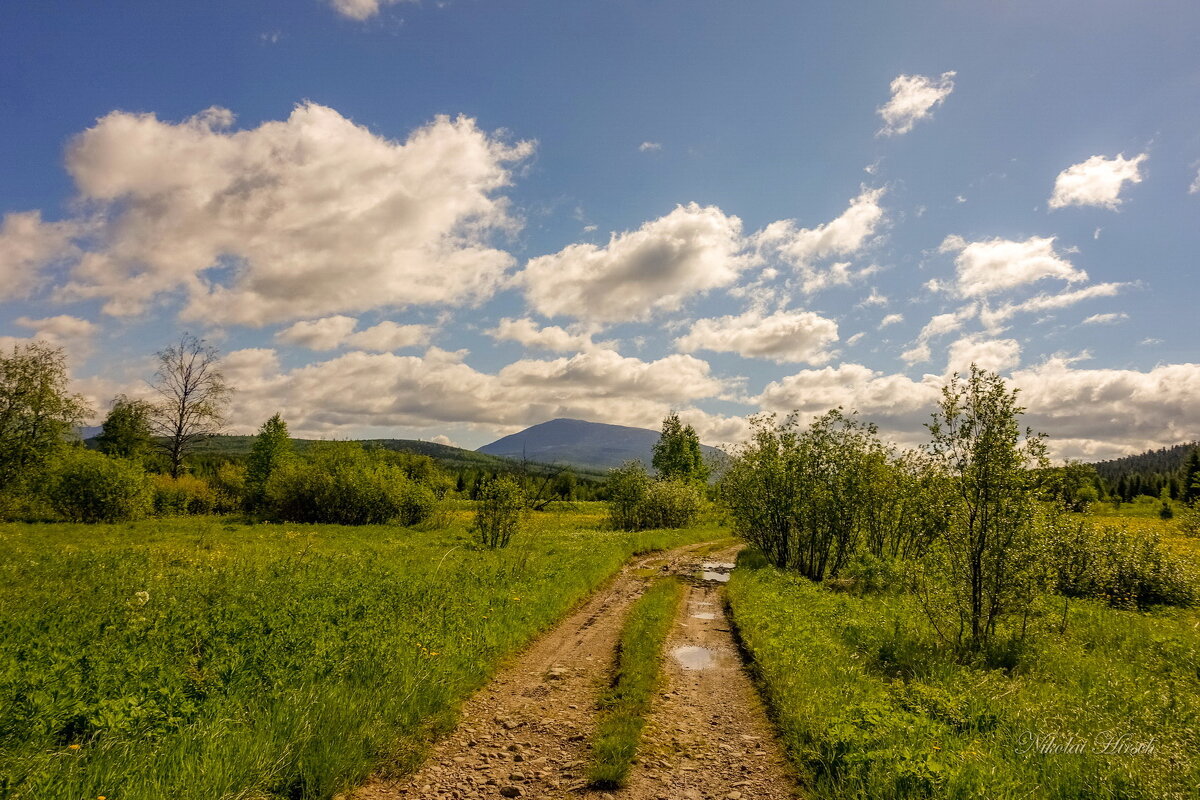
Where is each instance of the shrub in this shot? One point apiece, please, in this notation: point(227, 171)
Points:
point(1189, 520)
point(627, 488)
point(90, 487)
point(1127, 569)
point(498, 514)
point(229, 488)
point(635, 502)
point(341, 483)
point(186, 494)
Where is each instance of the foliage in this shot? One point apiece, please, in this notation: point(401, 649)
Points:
point(229, 487)
point(870, 703)
point(1072, 485)
point(197, 659)
point(342, 483)
point(193, 395)
point(272, 448)
point(1191, 478)
point(984, 565)
point(125, 432)
point(624, 706)
point(37, 413)
point(677, 453)
point(183, 495)
point(498, 512)
point(92, 487)
point(636, 502)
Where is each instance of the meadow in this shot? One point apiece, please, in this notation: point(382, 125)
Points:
point(871, 704)
point(204, 658)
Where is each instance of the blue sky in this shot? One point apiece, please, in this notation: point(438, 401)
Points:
point(459, 218)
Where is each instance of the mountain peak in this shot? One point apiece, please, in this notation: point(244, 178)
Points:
point(578, 443)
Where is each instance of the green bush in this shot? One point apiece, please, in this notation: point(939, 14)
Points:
point(1125, 568)
point(90, 487)
point(186, 494)
point(636, 502)
point(229, 488)
point(498, 514)
point(341, 483)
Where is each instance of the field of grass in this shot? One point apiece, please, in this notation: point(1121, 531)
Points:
point(198, 658)
point(870, 706)
point(639, 663)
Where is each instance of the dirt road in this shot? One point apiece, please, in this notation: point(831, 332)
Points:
point(525, 734)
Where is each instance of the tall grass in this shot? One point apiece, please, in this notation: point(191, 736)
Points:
point(197, 659)
point(870, 705)
point(624, 706)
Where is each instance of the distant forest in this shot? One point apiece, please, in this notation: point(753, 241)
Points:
point(1150, 473)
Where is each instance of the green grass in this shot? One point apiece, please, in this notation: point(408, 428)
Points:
point(870, 706)
point(624, 705)
point(191, 658)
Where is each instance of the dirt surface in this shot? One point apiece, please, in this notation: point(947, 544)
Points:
point(525, 734)
point(708, 734)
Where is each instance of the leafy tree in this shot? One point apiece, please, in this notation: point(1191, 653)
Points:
point(194, 394)
point(677, 453)
point(272, 447)
point(985, 563)
point(628, 485)
point(37, 412)
point(498, 514)
point(126, 430)
point(91, 487)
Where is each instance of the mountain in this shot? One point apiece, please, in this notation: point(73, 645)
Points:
point(580, 443)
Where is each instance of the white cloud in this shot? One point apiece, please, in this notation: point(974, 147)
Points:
point(1106, 319)
point(1096, 182)
point(388, 336)
point(307, 216)
point(655, 268)
point(855, 339)
point(319, 334)
point(913, 99)
point(360, 9)
point(992, 318)
point(994, 355)
point(782, 337)
point(27, 244)
point(995, 265)
point(647, 147)
point(75, 335)
point(890, 319)
point(939, 325)
point(551, 337)
point(874, 299)
point(1195, 187)
point(441, 438)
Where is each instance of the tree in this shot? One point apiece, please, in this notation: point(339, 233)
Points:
point(677, 453)
point(126, 430)
point(272, 447)
point(1191, 478)
point(193, 393)
point(985, 562)
point(498, 515)
point(37, 413)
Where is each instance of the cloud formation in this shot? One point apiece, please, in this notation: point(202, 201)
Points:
point(782, 337)
point(27, 246)
point(526, 332)
point(995, 265)
point(656, 268)
point(1096, 182)
point(310, 215)
point(913, 99)
point(329, 333)
point(360, 9)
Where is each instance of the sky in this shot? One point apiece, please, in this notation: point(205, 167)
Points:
point(451, 220)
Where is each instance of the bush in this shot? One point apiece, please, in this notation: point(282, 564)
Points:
point(635, 502)
point(229, 488)
point(1127, 569)
point(627, 488)
point(90, 487)
point(498, 514)
point(341, 483)
point(186, 494)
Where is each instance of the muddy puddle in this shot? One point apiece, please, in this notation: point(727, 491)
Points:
point(704, 615)
point(716, 571)
point(691, 657)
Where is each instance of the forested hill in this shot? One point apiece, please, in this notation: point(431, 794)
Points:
point(1149, 472)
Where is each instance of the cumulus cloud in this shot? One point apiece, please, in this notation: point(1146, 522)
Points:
point(295, 218)
point(358, 390)
point(994, 265)
point(1096, 182)
point(1195, 187)
point(994, 355)
point(802, 248)
point(890, 319)
point(551, 337)
point(782, 337)
point(655, 268)
point(360, 10)
point(938, 325)
point(329, 333)
point(913, 99)
point(993, 317)
point(27, 245)
point(75, 335)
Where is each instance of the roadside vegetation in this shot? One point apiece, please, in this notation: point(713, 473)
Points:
point(195, 658)
point(624, 706)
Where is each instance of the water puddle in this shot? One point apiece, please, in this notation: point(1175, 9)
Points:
point(704, 615)
point(694, 657)
point(716, 571)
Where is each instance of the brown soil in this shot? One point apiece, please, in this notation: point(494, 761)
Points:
point(525, 734)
